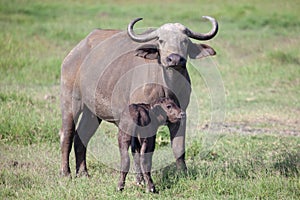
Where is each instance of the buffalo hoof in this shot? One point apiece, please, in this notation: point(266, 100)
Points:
point(140, 184)
point(121, 186)
point(151, 190)
point(181, 166)
point(82, 174)
point(65, 173)
point(120, 189)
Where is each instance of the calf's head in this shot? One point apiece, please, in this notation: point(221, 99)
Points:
point(171, 43)
point(165, 110)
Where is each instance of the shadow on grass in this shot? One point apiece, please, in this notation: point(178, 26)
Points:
point(170, 176)
point(288, 164)
point(285, 164)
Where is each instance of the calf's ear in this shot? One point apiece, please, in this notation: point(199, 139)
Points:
point(147, 51)
point(158, 112)
point(197, 51)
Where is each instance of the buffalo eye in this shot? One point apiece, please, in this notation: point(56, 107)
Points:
point(184, 42)
point(161, 42)
point(169, 106)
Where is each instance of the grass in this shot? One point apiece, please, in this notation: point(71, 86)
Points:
point(257, 153)
point(262, 167)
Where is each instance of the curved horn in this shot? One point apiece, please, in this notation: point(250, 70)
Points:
point(205, 36)
point(140, 38)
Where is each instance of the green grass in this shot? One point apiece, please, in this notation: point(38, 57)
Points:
point(262, 167)
point(257, 154)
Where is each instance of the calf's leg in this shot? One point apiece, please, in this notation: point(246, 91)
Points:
point(135, 150)
point(147, 150)
point(124, 142)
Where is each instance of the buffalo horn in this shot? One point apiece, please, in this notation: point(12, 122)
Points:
point(204, 36)
point(140, 38)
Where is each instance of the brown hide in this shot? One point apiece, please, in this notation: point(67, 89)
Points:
point(108, 78)
point(107, 71)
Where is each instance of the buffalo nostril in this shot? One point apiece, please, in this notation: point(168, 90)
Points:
point(169, 59)
point(175, 60)
point(182, 115)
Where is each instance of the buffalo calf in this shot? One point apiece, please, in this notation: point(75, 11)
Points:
point(137, 128)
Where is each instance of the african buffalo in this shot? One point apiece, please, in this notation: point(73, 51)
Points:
point(110, 69)
point(137, 128)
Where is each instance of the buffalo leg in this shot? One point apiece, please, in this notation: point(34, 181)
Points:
point(86, 129)
point(147, 150)
point(177, 131)
point(124, 143)
point(66, 139)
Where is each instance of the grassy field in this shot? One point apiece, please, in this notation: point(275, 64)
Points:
point(258, 56)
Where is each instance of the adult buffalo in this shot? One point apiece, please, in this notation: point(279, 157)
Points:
point(110, 69)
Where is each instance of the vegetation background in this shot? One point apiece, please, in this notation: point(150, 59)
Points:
point(258, 55)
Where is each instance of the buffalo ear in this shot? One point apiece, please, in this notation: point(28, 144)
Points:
point(147, 51)
point(197, 51)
